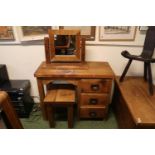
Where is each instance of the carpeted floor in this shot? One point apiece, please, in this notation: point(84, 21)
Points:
point(35, 121)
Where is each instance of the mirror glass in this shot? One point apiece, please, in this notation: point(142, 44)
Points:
point(65, 44)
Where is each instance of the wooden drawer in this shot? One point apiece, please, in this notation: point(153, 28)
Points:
point(86, 112)
point(95, 85)
point(94, 99)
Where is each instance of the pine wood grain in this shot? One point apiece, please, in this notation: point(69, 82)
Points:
point(141, 106)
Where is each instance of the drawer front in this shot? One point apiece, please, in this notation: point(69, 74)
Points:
point(93, 99)
point(92, 112)
point(95, 85)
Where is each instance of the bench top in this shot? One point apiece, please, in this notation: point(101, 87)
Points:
point(141, 105)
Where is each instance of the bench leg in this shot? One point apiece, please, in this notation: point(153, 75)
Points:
point(50, 113)
point(70, 117)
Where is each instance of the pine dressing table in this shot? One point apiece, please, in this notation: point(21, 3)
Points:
point(65, 61)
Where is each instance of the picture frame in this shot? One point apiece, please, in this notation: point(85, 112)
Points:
point(143, 28)
point(6, 33)
point(32, 33)
point(87, 32)
point(117, 33)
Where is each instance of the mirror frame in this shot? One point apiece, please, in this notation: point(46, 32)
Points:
point(65, 58)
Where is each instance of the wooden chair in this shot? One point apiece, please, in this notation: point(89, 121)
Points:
point(60, 96)
point(145, 56)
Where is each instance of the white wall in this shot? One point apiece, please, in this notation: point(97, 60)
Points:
point(23, 60)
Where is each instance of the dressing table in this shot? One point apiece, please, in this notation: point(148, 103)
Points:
point(93, 80)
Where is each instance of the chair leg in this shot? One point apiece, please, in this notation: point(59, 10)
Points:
point(145, 71)
point(50, 113)
point(125, 70)
point(150, 79)
point(70, 116)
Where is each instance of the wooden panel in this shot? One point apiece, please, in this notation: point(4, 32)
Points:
point(140, 105)
point(47, 53)
point(92, 112)
point(123, 116)
point(95, 85)
point(94, 99)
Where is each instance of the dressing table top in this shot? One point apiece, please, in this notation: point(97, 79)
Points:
point(75, 70)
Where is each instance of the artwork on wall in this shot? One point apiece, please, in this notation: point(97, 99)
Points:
point(143, 28)
point(87, 32)
point(6, 33)
point(117, 33)
point(29, 33)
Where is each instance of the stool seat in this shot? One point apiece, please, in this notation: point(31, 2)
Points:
point(64, 96)
point(59, 97)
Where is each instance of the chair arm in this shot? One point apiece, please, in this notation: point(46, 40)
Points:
point(125, 53)
point(152, 60)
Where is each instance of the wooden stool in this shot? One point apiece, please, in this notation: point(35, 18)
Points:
point(60, 98)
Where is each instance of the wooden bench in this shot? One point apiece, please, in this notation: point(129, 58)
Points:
point(134, 106)
point(59, 98)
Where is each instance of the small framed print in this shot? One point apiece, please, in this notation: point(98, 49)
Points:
point(87, 32)
point(30, 33)
point(117, 33)
point(6, 33)
point(143, 28)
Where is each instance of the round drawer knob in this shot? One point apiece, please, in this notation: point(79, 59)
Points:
point(95, 87)
point(92, 114)
point(93, 101)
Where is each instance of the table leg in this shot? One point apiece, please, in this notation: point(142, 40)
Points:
point(42, 95)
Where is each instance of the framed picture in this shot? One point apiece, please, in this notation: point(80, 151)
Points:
point(29, 33)
point(143, 28)
point(87, 32)
point(6, 33)
point(117, 33)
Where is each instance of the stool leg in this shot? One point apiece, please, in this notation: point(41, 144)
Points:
point(70, 116)
point(50, 113)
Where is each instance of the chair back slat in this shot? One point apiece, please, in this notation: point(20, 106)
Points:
point(149, 43)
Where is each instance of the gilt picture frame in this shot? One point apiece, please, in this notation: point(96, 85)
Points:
point(6, 33)
point(32, 33)
point(143, 28)
point(117, 33)
point(87, 32)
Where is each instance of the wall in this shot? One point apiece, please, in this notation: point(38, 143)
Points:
point(23, 60)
